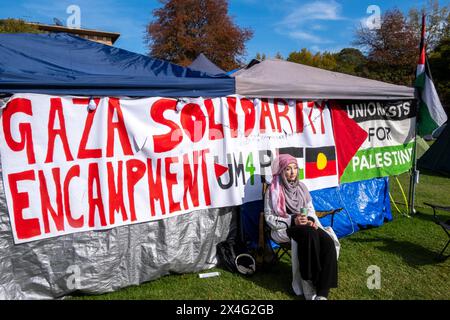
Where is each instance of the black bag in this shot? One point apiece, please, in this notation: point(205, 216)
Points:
point(234, 257)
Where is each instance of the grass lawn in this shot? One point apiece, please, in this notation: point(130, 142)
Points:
point(404, 250)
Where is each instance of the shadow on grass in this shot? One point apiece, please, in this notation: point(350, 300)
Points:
point(427, 172)
point(426, 214)
point(413, 255)
point(420, 214)
point(276, 278)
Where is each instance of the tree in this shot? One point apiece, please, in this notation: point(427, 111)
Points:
point(392, 49)
point(278, 56)
point(324, 60)
point(182, 29)
point(351, 61)
point(260, 57)
point(348, 60)
point(304, 56)
point(438, 44)
point(17, 26)
point(439, 63)
point(437, 22)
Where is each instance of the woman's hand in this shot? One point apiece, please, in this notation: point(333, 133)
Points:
point(313, 224)
point(300, 220)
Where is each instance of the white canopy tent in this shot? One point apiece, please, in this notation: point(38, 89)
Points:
point(284, 79)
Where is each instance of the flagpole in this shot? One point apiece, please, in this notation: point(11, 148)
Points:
point(414, 173)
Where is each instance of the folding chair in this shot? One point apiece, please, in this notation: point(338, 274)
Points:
point(444, 224)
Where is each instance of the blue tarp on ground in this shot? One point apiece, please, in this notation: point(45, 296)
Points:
point(64, 64)
point(365, 204)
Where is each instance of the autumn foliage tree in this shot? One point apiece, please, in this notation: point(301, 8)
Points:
point(437, 22)
point(392, 48)
point(182, 29)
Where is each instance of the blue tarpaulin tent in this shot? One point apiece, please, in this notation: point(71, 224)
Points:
point(107, 260)
point(64, 64)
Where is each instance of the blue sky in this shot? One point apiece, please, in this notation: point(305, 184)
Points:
point(279, 25)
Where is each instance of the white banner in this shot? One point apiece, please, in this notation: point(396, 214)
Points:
point(67, 168)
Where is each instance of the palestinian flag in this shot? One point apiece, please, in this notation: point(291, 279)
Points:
point(348, 136)
point(298, 154)
point(431, 113)
point(320, 162)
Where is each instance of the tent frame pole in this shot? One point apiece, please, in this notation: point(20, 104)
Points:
point(414, 173)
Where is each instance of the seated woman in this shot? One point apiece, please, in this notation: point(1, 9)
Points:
point(315, 248)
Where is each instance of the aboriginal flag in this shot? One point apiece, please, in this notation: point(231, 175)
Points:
point(320, 162)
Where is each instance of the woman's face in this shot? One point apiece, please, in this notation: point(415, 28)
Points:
point(291, 172)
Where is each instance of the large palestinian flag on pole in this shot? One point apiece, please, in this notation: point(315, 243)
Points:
point(431, 113)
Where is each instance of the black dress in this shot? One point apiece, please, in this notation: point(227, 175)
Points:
point(317, 256)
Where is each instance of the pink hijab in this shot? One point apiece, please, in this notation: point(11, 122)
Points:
point(284, 194)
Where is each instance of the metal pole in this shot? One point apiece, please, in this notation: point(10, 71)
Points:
point(414, 173)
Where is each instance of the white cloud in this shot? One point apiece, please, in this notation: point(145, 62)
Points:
point(318, 27)
point(301, 35)
point(306, 22)
point(314, 48)
point(317, 10)
point(332, 49)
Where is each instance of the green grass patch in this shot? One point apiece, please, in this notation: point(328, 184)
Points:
point(405, 250)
